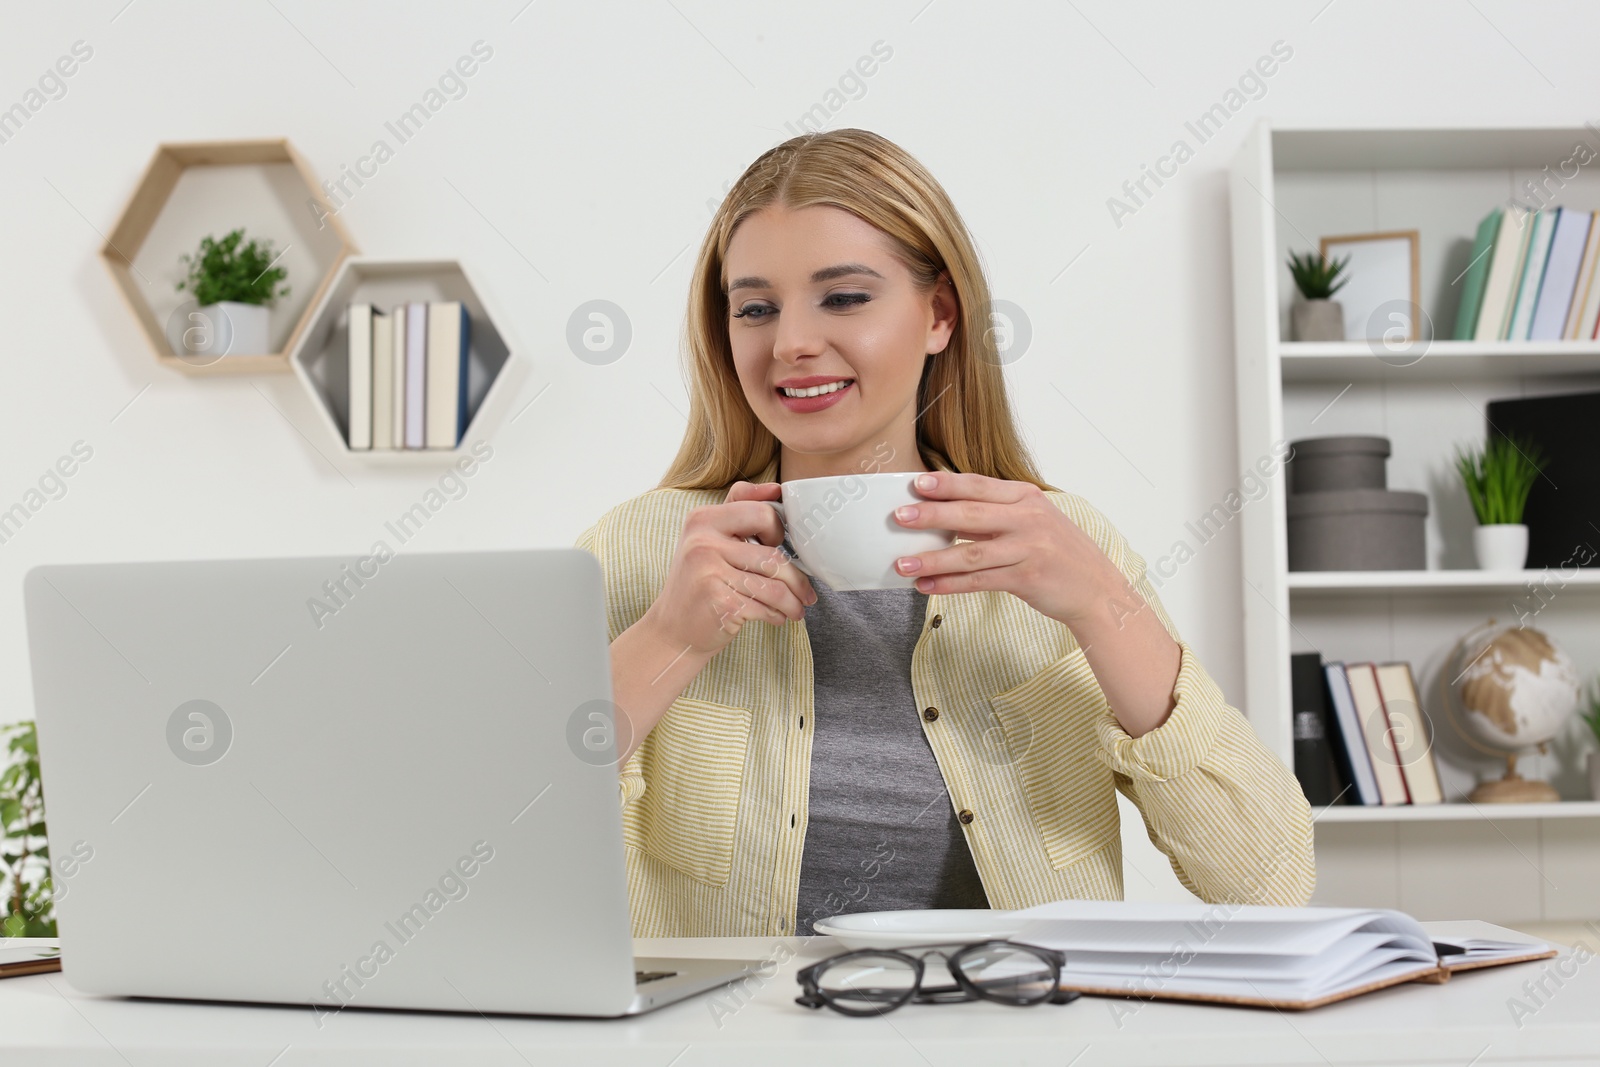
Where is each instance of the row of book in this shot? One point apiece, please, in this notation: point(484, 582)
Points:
point(1360, 736)
point(1532, 277)
point(408, 375)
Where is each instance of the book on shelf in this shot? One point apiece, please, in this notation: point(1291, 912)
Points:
point(1360, 735)
point(449, 335)
point(1259, 955)
point(1314, 761)
point(360, 318)
point(1585, 308)
point(1477, 275)
point(416, 372)
point(1510, 246)
point(1571, 234)
point(382, 381)
point(1384, 702)
point(1534, 275)
point(397, 359)
point(1350, 742)
point(407, 375)
point(1408, 728)
point(1542, 228)
point(1375, 730)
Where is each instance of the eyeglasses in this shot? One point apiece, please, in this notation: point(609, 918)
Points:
point(872, 981)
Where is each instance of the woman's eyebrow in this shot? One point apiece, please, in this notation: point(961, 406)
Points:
point(823, 275)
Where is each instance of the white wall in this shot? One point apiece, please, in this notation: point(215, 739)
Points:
point(582, 159)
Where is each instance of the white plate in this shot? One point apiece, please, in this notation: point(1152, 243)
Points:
point(898, 929)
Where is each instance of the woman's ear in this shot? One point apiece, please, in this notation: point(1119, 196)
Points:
point(946, 314)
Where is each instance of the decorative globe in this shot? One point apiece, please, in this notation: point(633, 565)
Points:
point(1517, 689)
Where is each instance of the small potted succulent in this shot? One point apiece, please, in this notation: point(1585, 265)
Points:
point(234, 287)
point(1316, 316)
point(1498, 478)
point(1592, 717)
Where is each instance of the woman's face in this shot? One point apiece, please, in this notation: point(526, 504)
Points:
point(815, 293)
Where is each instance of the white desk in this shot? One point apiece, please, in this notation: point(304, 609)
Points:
point(1465, 1021)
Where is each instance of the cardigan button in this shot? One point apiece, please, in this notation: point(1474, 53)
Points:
point(936, 620)
point(929, 714)
point(965, 815)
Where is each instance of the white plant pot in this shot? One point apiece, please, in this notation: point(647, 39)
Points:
point(1594, 775)
point(1501, 546)
point(227, 328)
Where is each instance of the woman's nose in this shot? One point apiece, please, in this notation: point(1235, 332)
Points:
point(798, 334)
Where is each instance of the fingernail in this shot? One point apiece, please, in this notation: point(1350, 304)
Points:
point(909, 565)
point(905, 514)
point(926, 481)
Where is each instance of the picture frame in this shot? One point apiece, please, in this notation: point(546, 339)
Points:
point(1384, 293)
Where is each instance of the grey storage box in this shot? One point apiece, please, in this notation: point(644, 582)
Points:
point(1357, 530)
point(1323, 464)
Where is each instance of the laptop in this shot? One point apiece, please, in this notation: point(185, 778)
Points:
point(387, 781)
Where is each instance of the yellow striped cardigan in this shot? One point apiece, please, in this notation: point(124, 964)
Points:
point(714, 799)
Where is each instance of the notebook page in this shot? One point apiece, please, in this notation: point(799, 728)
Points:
point(1279, 968)
point(1163, 928)
point(1482, 940)
point(1252, 951)
point(19, 950)
point(1253, 988)
point(1180, 910)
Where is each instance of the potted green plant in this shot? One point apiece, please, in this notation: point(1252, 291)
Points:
point(1316, 316)
point(1498, 477)
point(234, 285)
point(27, 907)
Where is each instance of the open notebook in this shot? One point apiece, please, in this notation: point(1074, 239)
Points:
point(29, 955)
point(1258, 955)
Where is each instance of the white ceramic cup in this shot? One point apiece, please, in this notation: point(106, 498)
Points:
point(844, 531)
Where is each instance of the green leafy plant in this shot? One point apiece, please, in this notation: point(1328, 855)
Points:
point(222, 270)
point(1591, 715)
point(1314, 276)
point(1498, 477)
point(28, 909)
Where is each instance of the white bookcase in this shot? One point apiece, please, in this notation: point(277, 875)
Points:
point(1289, 186)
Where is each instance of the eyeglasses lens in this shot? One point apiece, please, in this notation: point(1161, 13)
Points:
point(867, 984)
point(1009, 972)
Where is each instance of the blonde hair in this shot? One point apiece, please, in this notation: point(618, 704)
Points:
point(966, 418)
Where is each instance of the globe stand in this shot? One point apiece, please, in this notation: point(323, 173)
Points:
point(1513, 789)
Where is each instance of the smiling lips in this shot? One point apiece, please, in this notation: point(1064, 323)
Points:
point(808, 387)
point(815, 397)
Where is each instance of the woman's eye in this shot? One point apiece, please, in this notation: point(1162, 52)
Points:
point(836, 301)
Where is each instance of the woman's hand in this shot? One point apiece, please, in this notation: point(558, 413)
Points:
point(717, 581)
point(1019, 542)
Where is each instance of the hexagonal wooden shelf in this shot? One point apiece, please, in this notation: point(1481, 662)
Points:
point(320, 356)
point(192, 190)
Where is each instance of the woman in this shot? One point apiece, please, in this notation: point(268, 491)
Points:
point(791, 751)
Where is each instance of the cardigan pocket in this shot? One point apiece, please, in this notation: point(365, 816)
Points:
point(694, 773)
point(1048, 721)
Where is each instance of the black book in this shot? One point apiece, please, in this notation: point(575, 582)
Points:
point(1315, 762)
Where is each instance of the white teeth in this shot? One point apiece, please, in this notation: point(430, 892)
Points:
point(817, 390)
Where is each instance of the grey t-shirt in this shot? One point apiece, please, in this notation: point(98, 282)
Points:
point(881, 832)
